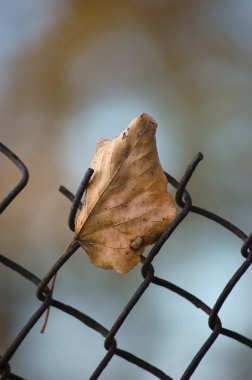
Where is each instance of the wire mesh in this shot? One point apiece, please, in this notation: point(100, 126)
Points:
point(44, 294)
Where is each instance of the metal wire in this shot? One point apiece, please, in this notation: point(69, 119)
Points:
point(184, 201)
point(21, 184)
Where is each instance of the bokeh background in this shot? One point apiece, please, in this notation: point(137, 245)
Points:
point(74, 71)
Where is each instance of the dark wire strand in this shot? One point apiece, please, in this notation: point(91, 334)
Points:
point(23, 181)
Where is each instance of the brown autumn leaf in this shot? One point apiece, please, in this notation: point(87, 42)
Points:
point(127, 205)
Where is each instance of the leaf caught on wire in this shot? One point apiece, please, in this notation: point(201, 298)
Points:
point(127, 205)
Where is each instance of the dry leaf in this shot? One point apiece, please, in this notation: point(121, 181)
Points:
point(127, 206)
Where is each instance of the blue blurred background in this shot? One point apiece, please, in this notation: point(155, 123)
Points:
point(73, 72)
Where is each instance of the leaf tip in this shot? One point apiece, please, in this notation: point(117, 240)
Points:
point(149, 119)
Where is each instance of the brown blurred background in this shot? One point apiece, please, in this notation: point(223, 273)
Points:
point(72, 72)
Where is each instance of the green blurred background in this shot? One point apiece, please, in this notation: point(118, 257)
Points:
point(72, 72)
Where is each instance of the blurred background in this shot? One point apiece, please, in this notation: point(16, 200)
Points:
point(72, 72)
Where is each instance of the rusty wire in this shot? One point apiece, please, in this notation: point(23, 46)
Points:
point(184, 201)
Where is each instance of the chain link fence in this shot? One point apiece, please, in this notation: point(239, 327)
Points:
point(44, 294)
